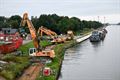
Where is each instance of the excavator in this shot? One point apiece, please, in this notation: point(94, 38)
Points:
point(46, 31)
point(37, 51)
point(52, 34)
point(70, 35)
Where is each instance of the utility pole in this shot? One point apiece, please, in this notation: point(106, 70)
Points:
point(104, 20)
point(98, 18)
point(93, 19)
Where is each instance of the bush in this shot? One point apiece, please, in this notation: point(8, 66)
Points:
point(7, 74)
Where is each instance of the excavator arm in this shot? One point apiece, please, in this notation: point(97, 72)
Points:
point(32, 51)
point(32, 30)
point(52, 34)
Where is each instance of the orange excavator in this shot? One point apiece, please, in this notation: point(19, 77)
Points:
point(52, 34)
point(37, 51)
point(46, 31)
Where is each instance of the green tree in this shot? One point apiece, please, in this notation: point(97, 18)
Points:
point(14, 21)
point(14, 24)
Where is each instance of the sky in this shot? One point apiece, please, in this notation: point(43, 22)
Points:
point(83, 9)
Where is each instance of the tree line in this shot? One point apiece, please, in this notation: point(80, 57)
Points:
point(59, 24)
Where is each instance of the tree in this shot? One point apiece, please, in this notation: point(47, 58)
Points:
point(15, 18)
point(3, 22)
point(14, 21)
point(14, 24)
point(59, 24)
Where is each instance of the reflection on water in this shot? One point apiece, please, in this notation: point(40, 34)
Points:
point(94, 61)
point(97, 45)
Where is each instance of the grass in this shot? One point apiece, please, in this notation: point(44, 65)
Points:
point(54, 65)
point(45, 43)
point(25, 48)
point(46, 78)
point(15, 66)
point(84, 31)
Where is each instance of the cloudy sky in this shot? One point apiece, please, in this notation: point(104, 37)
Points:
point(84, 9)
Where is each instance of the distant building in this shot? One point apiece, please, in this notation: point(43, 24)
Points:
point(9, 30)
point(8, 34)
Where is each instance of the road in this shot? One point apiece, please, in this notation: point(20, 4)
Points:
point(26, 41)
point(94, 61)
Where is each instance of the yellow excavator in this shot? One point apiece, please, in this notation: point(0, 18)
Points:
point(37, 51)
point(52, 34)
point(42, 30)
point(70, 35)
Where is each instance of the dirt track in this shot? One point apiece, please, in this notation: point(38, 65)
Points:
point(32, 72)
point(1, 78)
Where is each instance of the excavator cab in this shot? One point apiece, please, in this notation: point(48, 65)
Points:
point(32, 51)
point(43, 53)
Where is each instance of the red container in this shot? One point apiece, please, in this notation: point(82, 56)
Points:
point(46, 71)
point(10, 43)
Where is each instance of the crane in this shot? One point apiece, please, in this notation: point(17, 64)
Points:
point(37, 51)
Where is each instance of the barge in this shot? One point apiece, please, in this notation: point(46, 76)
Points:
point(10, 40)
point(98, 35)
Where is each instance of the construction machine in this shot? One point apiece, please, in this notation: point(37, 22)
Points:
point(23, 33)
point(46, 31)
point(59, 40)
point(70, 35)
point(52, 34)
point(37, 51)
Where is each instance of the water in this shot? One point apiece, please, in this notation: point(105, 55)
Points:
point(98, 61)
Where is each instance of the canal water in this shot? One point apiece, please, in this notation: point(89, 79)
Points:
point(94, 61)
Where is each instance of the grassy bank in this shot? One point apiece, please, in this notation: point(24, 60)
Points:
point(84, 31)
point(14, 67)
point(56, 63)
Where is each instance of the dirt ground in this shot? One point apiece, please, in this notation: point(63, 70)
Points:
point(32, 72)
point(1, 78)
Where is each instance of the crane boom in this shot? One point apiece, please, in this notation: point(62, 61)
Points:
point(31, 29)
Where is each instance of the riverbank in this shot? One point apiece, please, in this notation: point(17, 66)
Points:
point(57, 61)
